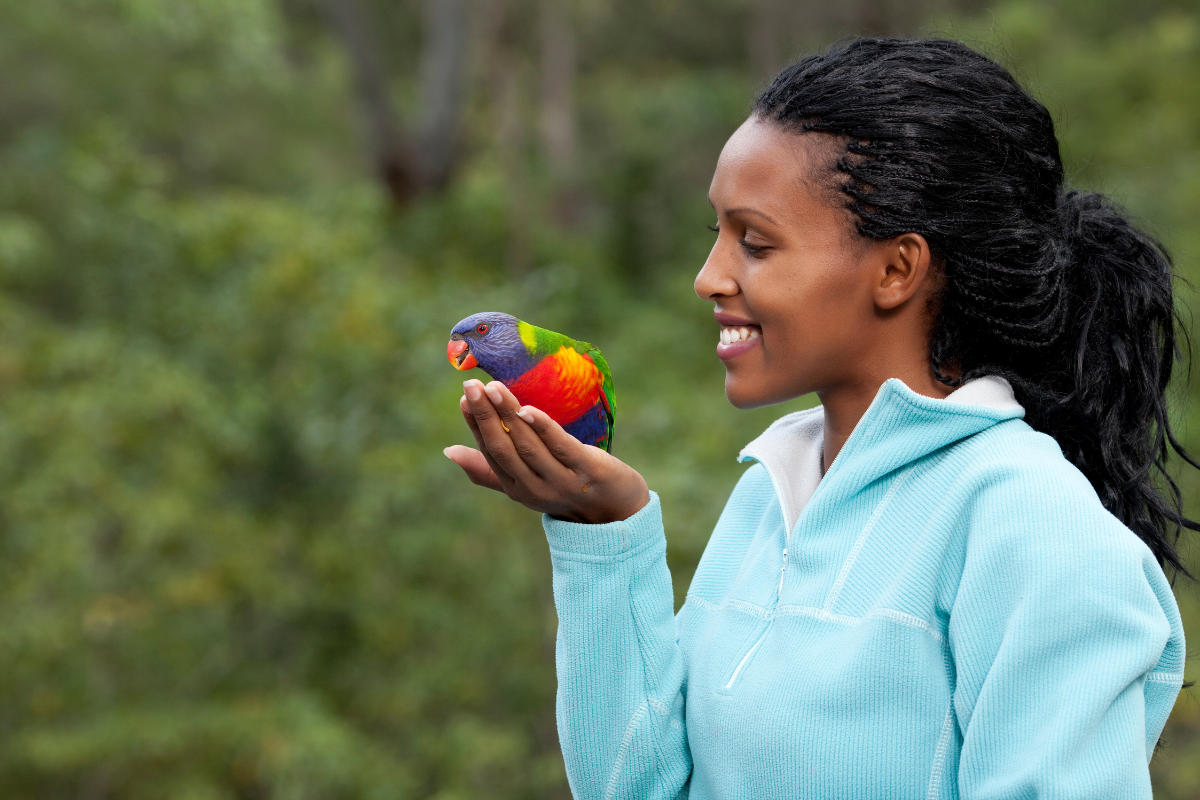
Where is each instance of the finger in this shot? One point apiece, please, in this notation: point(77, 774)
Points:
point(527, 444)
point(561, 446)
point(496, 442)
point(503, 476)
point(475, 465)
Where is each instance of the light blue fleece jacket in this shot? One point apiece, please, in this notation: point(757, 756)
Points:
point(948, 612)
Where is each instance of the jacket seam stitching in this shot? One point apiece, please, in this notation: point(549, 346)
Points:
point(890, 614)
point(610, 789)
point(649, 705)
point(844, 573)
point(940, 752)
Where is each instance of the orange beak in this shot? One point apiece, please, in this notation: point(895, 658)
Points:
point(460, 355)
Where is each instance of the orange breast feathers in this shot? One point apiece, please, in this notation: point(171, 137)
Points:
point(564, 385)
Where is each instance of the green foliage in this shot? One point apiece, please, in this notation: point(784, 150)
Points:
point(235, 563)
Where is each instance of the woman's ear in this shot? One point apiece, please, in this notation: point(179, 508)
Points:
point(905, 262)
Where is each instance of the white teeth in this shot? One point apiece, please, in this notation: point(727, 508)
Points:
point(735, 335)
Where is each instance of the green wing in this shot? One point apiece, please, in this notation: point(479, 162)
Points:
point(607, 394)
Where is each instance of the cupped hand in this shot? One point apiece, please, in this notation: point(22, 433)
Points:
point(529, 457)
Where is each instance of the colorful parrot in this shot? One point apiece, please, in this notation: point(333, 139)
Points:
point(566, 379)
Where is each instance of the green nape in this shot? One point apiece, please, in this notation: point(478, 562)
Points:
point(541, 342)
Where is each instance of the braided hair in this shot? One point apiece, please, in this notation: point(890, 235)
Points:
point(1051, 288)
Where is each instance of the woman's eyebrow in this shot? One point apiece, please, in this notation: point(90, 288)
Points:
point(744, 210)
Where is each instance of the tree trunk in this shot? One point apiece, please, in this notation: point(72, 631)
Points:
point(557, 117)
point(557, 91)
point(763, 38)
point(392, 154)
point(444, 63)
point(406, 164)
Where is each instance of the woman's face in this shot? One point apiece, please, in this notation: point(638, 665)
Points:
point(790, 278)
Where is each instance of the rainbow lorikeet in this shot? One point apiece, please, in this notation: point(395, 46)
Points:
point(566, 379)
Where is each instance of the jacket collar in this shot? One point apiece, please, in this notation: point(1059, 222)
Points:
point(899, 427)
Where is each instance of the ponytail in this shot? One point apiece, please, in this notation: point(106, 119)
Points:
point(1101, 393)
point(1053, 289)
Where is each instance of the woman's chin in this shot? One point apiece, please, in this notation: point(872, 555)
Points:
point(747, 391)
point(744, 396)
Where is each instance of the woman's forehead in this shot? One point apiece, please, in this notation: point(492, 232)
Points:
point(765, 166)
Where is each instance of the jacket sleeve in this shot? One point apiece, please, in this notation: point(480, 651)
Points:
point(1068, 650)
point(621, 682)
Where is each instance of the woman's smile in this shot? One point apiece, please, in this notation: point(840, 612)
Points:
point(738, 336)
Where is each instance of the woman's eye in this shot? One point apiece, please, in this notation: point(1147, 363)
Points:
point(755, 250)
point(713, 228)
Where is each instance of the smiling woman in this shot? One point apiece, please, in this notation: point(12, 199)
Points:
point(947, 580)
point(865, 302)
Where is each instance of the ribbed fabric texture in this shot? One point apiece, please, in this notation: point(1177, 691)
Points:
point(958, 617)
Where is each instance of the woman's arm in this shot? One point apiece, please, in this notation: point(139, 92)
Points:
point(1068, 649)
point(621, 679)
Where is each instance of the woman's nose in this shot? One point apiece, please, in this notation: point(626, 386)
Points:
point(715, 279)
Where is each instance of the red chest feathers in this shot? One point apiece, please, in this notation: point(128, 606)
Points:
point(563, 385)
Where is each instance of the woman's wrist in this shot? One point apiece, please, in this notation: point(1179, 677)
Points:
point(621, 509)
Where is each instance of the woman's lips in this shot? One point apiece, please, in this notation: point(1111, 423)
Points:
point(737, 340)
point(727, 319)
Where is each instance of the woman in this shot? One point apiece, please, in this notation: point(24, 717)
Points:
point(947, 580)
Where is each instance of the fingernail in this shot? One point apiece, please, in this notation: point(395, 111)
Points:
point(493, 393)
point(525, 414)
point(471, 390)
point(462, 402)
point(446, 452)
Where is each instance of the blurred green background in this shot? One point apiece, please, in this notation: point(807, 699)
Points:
point(234, 235)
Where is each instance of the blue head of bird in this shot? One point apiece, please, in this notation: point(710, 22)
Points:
point(491, 341)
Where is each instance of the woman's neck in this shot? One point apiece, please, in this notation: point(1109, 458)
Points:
point(845, 405)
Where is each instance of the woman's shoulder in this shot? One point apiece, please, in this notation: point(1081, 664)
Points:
point(1026, 497)
point(1013, 452)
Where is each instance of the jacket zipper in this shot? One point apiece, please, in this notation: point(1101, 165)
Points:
point(746, 658)
point(782, 572)
point(787, 540)
point(750, 653)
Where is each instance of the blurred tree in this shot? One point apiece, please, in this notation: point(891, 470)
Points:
point(408, 163)
point(557, 79)
point(557, 112)
point(763, 40)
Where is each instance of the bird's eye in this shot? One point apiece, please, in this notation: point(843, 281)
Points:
point(481, 328)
